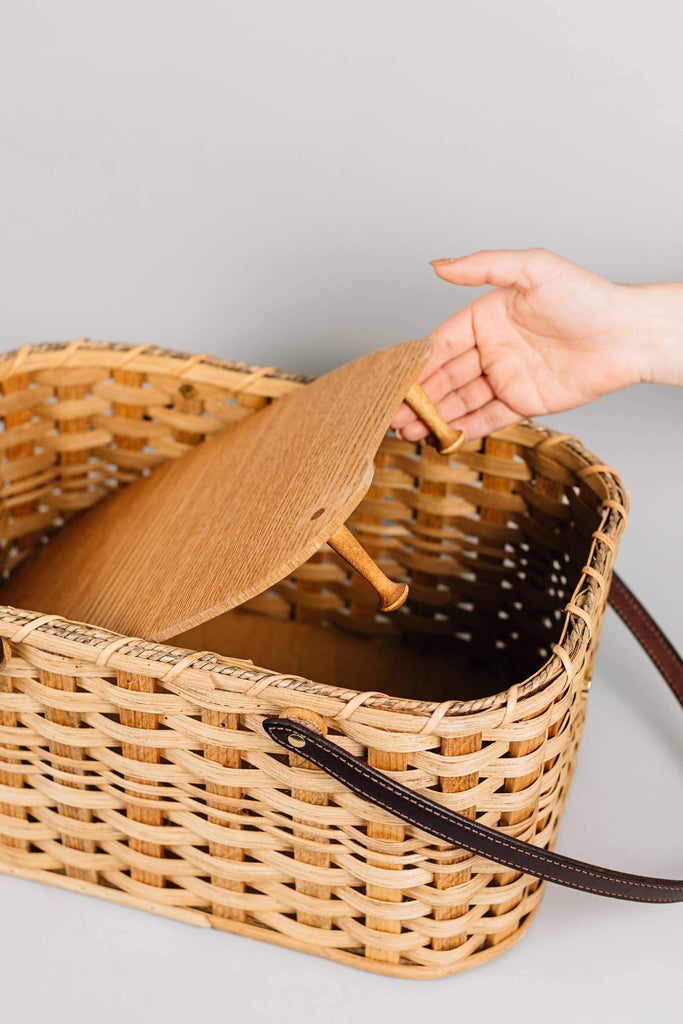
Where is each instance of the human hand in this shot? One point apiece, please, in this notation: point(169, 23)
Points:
point(549, 336)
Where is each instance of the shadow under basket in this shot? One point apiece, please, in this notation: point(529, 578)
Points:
point(139, 771)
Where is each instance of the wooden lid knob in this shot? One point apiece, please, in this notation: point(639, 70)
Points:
point(449, 439)
point(391, 595)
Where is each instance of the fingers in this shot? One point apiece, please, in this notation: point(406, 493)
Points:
point(503, 268)
point(454, 406)
point(454, 402)
point(453, 375)
point(451, 339)
point(494, 416)
point(447, 379)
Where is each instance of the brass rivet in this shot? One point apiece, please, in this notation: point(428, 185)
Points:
point(296, 741)
point(187, 390)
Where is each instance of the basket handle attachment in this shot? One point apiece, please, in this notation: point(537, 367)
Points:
point(392, 595)
point(309, 741)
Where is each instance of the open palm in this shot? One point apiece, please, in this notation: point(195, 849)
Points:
point(549, 336)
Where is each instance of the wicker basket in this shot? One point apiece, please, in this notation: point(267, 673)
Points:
point(140, 772)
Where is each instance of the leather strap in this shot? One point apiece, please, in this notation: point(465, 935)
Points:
point(648, 634)
point(459, 831)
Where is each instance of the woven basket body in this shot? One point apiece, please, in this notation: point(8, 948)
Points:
point(139, 772)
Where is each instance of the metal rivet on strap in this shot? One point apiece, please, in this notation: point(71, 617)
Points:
point(296, 741)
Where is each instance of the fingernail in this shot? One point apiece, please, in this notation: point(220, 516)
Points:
point(441, 263)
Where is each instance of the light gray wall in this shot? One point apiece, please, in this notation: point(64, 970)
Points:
point(266, 181)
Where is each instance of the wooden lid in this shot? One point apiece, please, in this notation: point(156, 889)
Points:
point(206, 532)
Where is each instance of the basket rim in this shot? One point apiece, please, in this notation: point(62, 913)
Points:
point(51, 633)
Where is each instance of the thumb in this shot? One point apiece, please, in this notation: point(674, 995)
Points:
point(504, 268)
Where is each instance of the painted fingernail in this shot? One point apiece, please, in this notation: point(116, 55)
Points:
point(441, 263)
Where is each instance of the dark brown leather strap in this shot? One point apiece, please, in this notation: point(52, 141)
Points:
point(469, 835)
point(648, 634)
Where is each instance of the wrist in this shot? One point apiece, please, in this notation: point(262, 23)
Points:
point(654, 331)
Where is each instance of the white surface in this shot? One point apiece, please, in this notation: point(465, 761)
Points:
point(267, 181)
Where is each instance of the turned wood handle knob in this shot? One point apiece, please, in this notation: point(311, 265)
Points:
point(449, 439)
point(391, 594)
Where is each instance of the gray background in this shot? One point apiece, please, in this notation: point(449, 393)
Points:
point(267, 181)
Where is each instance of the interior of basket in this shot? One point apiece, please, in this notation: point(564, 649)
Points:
point(491, 550)
point(491, 540)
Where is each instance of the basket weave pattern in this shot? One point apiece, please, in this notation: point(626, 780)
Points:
point(139, 772)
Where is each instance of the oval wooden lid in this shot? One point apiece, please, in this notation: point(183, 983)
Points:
point(231, 517)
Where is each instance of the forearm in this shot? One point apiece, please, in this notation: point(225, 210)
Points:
point(655, 329)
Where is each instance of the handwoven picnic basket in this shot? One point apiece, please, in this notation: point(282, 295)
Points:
point(139, 772)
